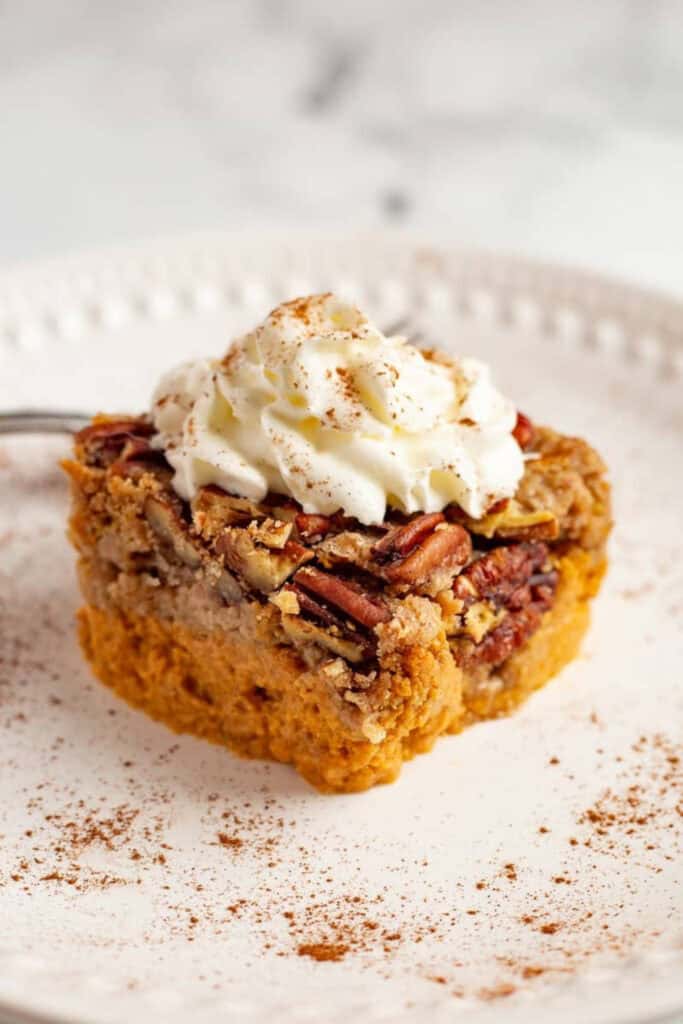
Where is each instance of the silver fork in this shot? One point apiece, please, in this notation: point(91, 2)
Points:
point(42, 421)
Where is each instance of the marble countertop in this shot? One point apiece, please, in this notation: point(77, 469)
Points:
point(555, 130)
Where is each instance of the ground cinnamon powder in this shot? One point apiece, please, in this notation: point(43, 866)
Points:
point(82, 847)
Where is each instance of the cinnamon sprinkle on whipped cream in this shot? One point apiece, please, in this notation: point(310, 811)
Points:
point(318, 404)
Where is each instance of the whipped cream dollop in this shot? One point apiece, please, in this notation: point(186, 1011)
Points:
point(318, 404)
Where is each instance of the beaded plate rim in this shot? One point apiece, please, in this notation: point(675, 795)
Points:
point(60, 300)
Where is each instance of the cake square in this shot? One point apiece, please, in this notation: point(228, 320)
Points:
point(281, 559)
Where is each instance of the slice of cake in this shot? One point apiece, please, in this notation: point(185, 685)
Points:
point(330, 547)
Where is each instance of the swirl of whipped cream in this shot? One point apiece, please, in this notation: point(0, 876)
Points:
point(318, 404)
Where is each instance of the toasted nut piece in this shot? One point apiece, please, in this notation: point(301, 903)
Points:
point(403, 539)
point(336, 669)
point(523, 431)
point(347, 548)
point(261, 568)
point(355, 602)
point(273, 533)
point(514, 630)
point(449, 546)
point(310, 525)
point(308, 604)
point(511, 522)
point(499, 574)
point(301, 631)
point(104, 427)
point(138, 457)
point(169, 527)
point(213, 509)
point(334, 626)
point(139, 448)
point(286, 600)
point(479, 619)
point(279, 506)
point(103, 440)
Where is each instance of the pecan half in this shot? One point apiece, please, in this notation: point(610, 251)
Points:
point(103, 441)
point(166, 522)
point(343, 594)
point(138, 457)
point(402, 539)
point(500, 574)
point(308, 605)
point(446, 549)
point(523, 431)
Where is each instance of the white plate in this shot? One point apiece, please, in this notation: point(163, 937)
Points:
point(476, 885)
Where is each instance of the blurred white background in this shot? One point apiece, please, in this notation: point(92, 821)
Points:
point(550, 128)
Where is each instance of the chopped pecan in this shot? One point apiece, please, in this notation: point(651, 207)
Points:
point(164, 518)
point(286, 600)
point(514, 630)
point(350, 646)
point(281, 506)
point(343, 594)
point(308, 605)
point(446, 549)
point(213, 509)
point(311, 526)
point(261, 568)
point(138, 448)
point(349, 547)
point(479, 618)
point(272, 533)
point(138, 457)
point(501, 574)
point(523, 431)
point(402, 539)
point(104, 440)
point(103, 429)
point(328, 629)
point(506, 519)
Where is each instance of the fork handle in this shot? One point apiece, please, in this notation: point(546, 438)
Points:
point(42, 421)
